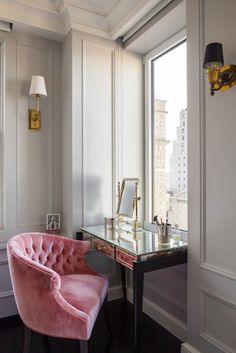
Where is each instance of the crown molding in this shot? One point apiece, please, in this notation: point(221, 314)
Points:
point(20, 12)
point(85, 21)
point(55, 18)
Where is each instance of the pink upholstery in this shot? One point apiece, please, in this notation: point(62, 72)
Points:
point(56, 292)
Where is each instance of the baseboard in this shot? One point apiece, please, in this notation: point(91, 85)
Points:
point(7, 304)
point(162, 317)
point(114, 293)
point(187, 348)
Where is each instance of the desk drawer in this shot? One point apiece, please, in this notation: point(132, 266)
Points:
point(105, 247)
point(125, 258)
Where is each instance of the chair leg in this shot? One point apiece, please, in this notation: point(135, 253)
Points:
point(46, 344)
point(26, 343)
point(84, 346)
point(107, 317)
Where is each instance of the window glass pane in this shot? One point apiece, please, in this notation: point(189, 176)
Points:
point(169, 143)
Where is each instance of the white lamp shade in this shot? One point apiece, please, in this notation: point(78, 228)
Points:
point(38, 86)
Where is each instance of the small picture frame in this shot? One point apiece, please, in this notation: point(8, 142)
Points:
point(53, 221)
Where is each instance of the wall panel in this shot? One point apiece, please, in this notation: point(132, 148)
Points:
point(34, 148)
point(98, 82)
point(217, 310)
point(31, 167)
point(212, 173)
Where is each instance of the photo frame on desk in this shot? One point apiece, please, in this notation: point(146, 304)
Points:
point(53, 222)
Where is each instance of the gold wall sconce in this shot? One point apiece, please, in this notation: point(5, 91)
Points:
point(37, 89)
point(220, 76)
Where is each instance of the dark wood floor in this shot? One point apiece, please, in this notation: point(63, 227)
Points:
point(155, 339)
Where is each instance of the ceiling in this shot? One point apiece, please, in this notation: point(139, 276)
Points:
point(54, 18)
point(99, 7)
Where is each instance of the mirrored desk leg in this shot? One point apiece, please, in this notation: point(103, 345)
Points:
point(123, 281)
point(138, 277)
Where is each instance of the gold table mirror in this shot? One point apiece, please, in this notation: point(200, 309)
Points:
point(127, 208)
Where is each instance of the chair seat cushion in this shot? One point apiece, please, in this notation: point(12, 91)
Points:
point(84, 292)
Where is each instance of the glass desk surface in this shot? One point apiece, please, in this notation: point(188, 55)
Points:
point(140, 243)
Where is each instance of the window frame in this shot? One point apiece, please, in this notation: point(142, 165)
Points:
point(161, 49)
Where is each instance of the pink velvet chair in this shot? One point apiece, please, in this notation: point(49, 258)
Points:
point(56, 292)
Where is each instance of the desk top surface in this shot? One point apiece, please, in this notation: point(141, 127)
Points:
point(140, 243)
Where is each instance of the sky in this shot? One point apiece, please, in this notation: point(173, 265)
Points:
point(171, 84)
point(170, 75)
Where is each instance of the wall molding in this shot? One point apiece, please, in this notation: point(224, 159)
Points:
point(219, 345)
point(187, 348)
point(218, 270)
point(115, 293)
point(157, 290)
point(6, 294)
point(47, 49)
point(204, 334)
point(2, 138)
point(3, 245)
point(162, 317)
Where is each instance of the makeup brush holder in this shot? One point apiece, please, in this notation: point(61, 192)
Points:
point(164, 233)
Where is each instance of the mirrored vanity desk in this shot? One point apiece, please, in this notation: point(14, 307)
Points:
point(140, 252)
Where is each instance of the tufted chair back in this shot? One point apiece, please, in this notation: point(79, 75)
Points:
point(62, 255)
point(56, 292)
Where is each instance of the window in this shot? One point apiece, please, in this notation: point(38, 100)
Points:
point(166, 139)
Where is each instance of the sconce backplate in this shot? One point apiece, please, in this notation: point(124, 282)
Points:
point(34, 119)
point(226, 77)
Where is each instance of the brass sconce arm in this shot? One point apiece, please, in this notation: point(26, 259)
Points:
point(222, 78)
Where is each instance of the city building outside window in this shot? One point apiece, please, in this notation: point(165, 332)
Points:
point(166, 133)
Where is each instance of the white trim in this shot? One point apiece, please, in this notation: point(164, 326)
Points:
point(115, 293)
point(162, 317)
point(218, 270)
point(6, 294)
point(3, 245)
point(147, 17)
point(83, 28)
point(2, 138)
point(203, 329)
point(219, 345)
point(163, 47)
point(164, 294)
point(187, 348)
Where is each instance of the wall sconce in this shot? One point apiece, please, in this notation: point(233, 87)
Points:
point(220, 77)
point(37, 89)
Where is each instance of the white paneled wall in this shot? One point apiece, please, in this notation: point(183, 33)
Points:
point(91, 137)
point(212, 192)
point(90, 74)
point(30, 160)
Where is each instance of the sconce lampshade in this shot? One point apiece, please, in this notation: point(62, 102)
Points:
point(37, 86)
point(213, 56)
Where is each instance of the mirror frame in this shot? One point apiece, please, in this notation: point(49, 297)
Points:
point(118, 213)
